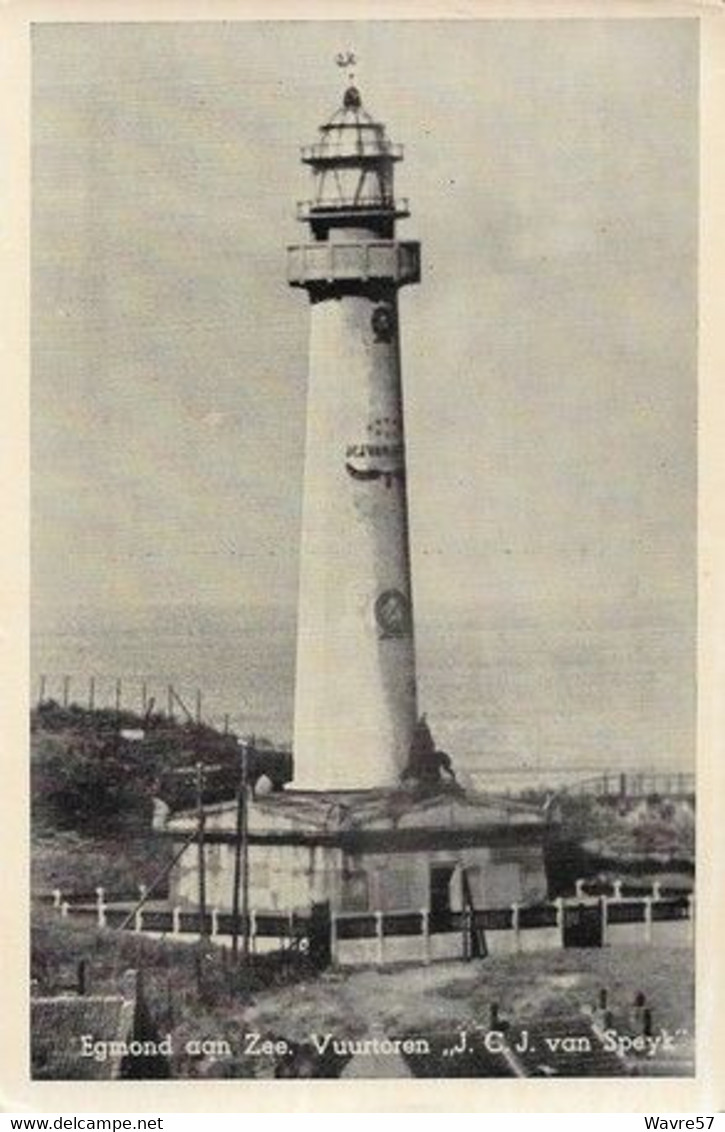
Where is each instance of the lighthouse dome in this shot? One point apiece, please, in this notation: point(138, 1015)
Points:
point(352, 132)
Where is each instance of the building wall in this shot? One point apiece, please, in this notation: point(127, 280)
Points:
point(289, 877)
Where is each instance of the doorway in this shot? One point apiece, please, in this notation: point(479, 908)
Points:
point(441, 912)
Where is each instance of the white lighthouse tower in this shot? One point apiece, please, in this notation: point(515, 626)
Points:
point(355, 705)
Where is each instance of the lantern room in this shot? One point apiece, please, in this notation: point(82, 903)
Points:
point(352, 174)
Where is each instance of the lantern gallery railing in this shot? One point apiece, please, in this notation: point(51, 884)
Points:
point(332, 206)
point(343, 150)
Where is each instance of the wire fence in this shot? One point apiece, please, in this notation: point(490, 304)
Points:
point(139, 696)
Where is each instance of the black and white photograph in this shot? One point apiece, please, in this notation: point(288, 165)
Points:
point(363, 567)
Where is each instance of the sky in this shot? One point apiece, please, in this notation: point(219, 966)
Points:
point(549, 353)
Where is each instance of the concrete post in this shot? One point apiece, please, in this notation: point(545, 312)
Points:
point(253, 932)
point(138, 920)
point(100, 907)
point(214, 922)
point(64, 908)
point(176, 920)
point(57, 898)
point(579, 889)
point(380, 937)
point(425, 926)
point(515, 926)
point(617, 890)
point(560, 918)
point(605, 920)
point(648, 919)
point(657, 890)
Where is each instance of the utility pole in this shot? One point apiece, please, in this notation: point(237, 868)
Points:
point(241, 863)
point(200, 841)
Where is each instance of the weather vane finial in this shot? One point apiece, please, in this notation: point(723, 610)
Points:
point(347, 59)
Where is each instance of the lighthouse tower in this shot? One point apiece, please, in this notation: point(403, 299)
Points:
point(355, 700)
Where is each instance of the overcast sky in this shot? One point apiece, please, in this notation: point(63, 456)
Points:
point(549, 354)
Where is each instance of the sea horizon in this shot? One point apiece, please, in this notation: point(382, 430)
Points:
point(531, 688)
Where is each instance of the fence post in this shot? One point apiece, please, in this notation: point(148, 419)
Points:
point(57, 898)
point(515, 926)
point(138, 920)
point(253, 931)
point(64, 908)
point(657, 890)
point(425, 926)
point(560, 918)
point(648, 919)
point(176, 920)
point(617, 890)
point(100, 907)
point(380, 938)
point(333, 938)
point(214, 922)
point(605, 920)
point(579, 889)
